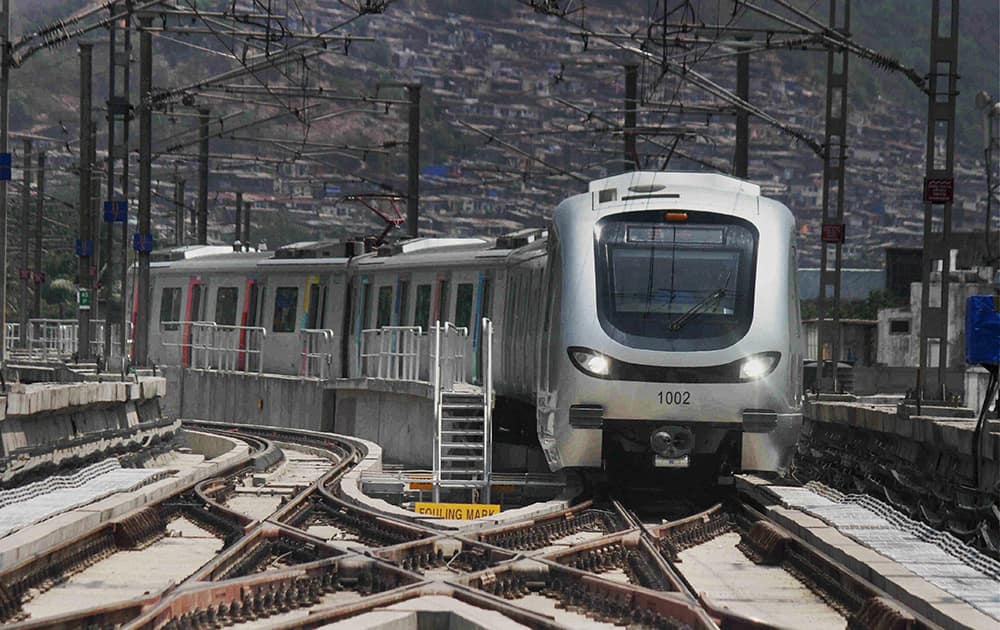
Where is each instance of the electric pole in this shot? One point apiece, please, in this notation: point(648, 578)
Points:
point(834, 169)
point(246, 226)
point(628, 131)
point(25, 275)
point(143, 241)
point(203, 175)
point(37, 275)
point(5, 154)
point(178, 210)
point(939, 186)
point(119, 113)
point(239, 221)
point(413, 170)
point(85, 243)
point(741, 161)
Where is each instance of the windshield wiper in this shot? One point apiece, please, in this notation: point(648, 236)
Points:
point(713, 298)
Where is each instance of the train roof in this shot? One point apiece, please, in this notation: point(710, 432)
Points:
point(639, 183)
point(680, 189)
point(429, 252)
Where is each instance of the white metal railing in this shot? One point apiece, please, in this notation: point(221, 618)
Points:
point(318, 346)
point(391, 352)
point(447, 368)
point(487, 377)
point(13, 336)
point(448, 356)
point(211, 346)
point(58, 339)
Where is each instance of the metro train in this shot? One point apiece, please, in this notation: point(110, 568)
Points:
point(654, 323)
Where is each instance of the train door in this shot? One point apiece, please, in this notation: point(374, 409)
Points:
point(248, 318)
point(463, 315)
point(484, 289)
point(442, 299)
point(400, 309)
point(191, 314)
point(312, 309)
point(363, 302)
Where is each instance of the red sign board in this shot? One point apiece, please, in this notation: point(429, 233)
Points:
point(832, 233)
point(939, 190)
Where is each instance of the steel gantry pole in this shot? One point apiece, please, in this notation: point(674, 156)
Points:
point(85, 243)
point(178, 210)
point(143, 239)
point(25, 228)
point(741, 160)
point(37, 275)
point(118, 115)
point(628, 131)
point(239, 221)
point(939, 186)
point(832, 232)
point(203, 114)
point(5, 154)
point(413, 170)
point(246, 226)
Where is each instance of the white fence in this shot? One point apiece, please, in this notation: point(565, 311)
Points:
point(318, 348)
point(211, 346)
point(57, 339)
point(391, 352)
point(450, 344)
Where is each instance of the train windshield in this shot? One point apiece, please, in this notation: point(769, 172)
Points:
point(678, 285)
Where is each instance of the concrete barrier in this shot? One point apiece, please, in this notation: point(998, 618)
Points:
point(45, 424)
point(398, 415)
point(265, 399)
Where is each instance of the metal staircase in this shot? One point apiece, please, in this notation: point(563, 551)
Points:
point(463, 414)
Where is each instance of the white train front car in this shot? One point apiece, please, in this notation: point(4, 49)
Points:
point(675, 337)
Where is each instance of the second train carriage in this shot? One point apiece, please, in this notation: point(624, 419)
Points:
point(631, 346)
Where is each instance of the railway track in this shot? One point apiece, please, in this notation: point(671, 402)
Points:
point(320, 558)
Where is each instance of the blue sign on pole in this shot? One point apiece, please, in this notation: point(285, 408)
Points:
point(116, 211)
point(142, 242)
point(84, 248)
point(5, 163)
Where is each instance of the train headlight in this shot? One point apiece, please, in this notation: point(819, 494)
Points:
point(758, 366)
point(592, 362)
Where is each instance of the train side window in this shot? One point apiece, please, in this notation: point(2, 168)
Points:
point(384, 306)
point(170, 307)
point(404, 302)
point(196, 303)
point(366, 304)
point(225, 305)
point(442, 305)
point(286, 303)
point(422, 308)
point(463, 305)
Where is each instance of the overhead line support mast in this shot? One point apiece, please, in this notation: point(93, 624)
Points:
point(832, 231)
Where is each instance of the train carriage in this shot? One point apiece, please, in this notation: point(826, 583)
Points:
point(655, 322)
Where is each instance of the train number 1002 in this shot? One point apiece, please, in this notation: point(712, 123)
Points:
point(674, 398)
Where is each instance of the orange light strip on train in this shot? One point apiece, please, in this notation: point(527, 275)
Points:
point(676, 216)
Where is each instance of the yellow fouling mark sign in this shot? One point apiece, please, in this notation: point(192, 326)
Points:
point(457, 511)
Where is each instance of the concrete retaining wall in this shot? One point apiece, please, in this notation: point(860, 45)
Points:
point(398, 416)
point(45, 423)
point(924, 440)
point(869, 380)
point(394, 414)
point(267, 399)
